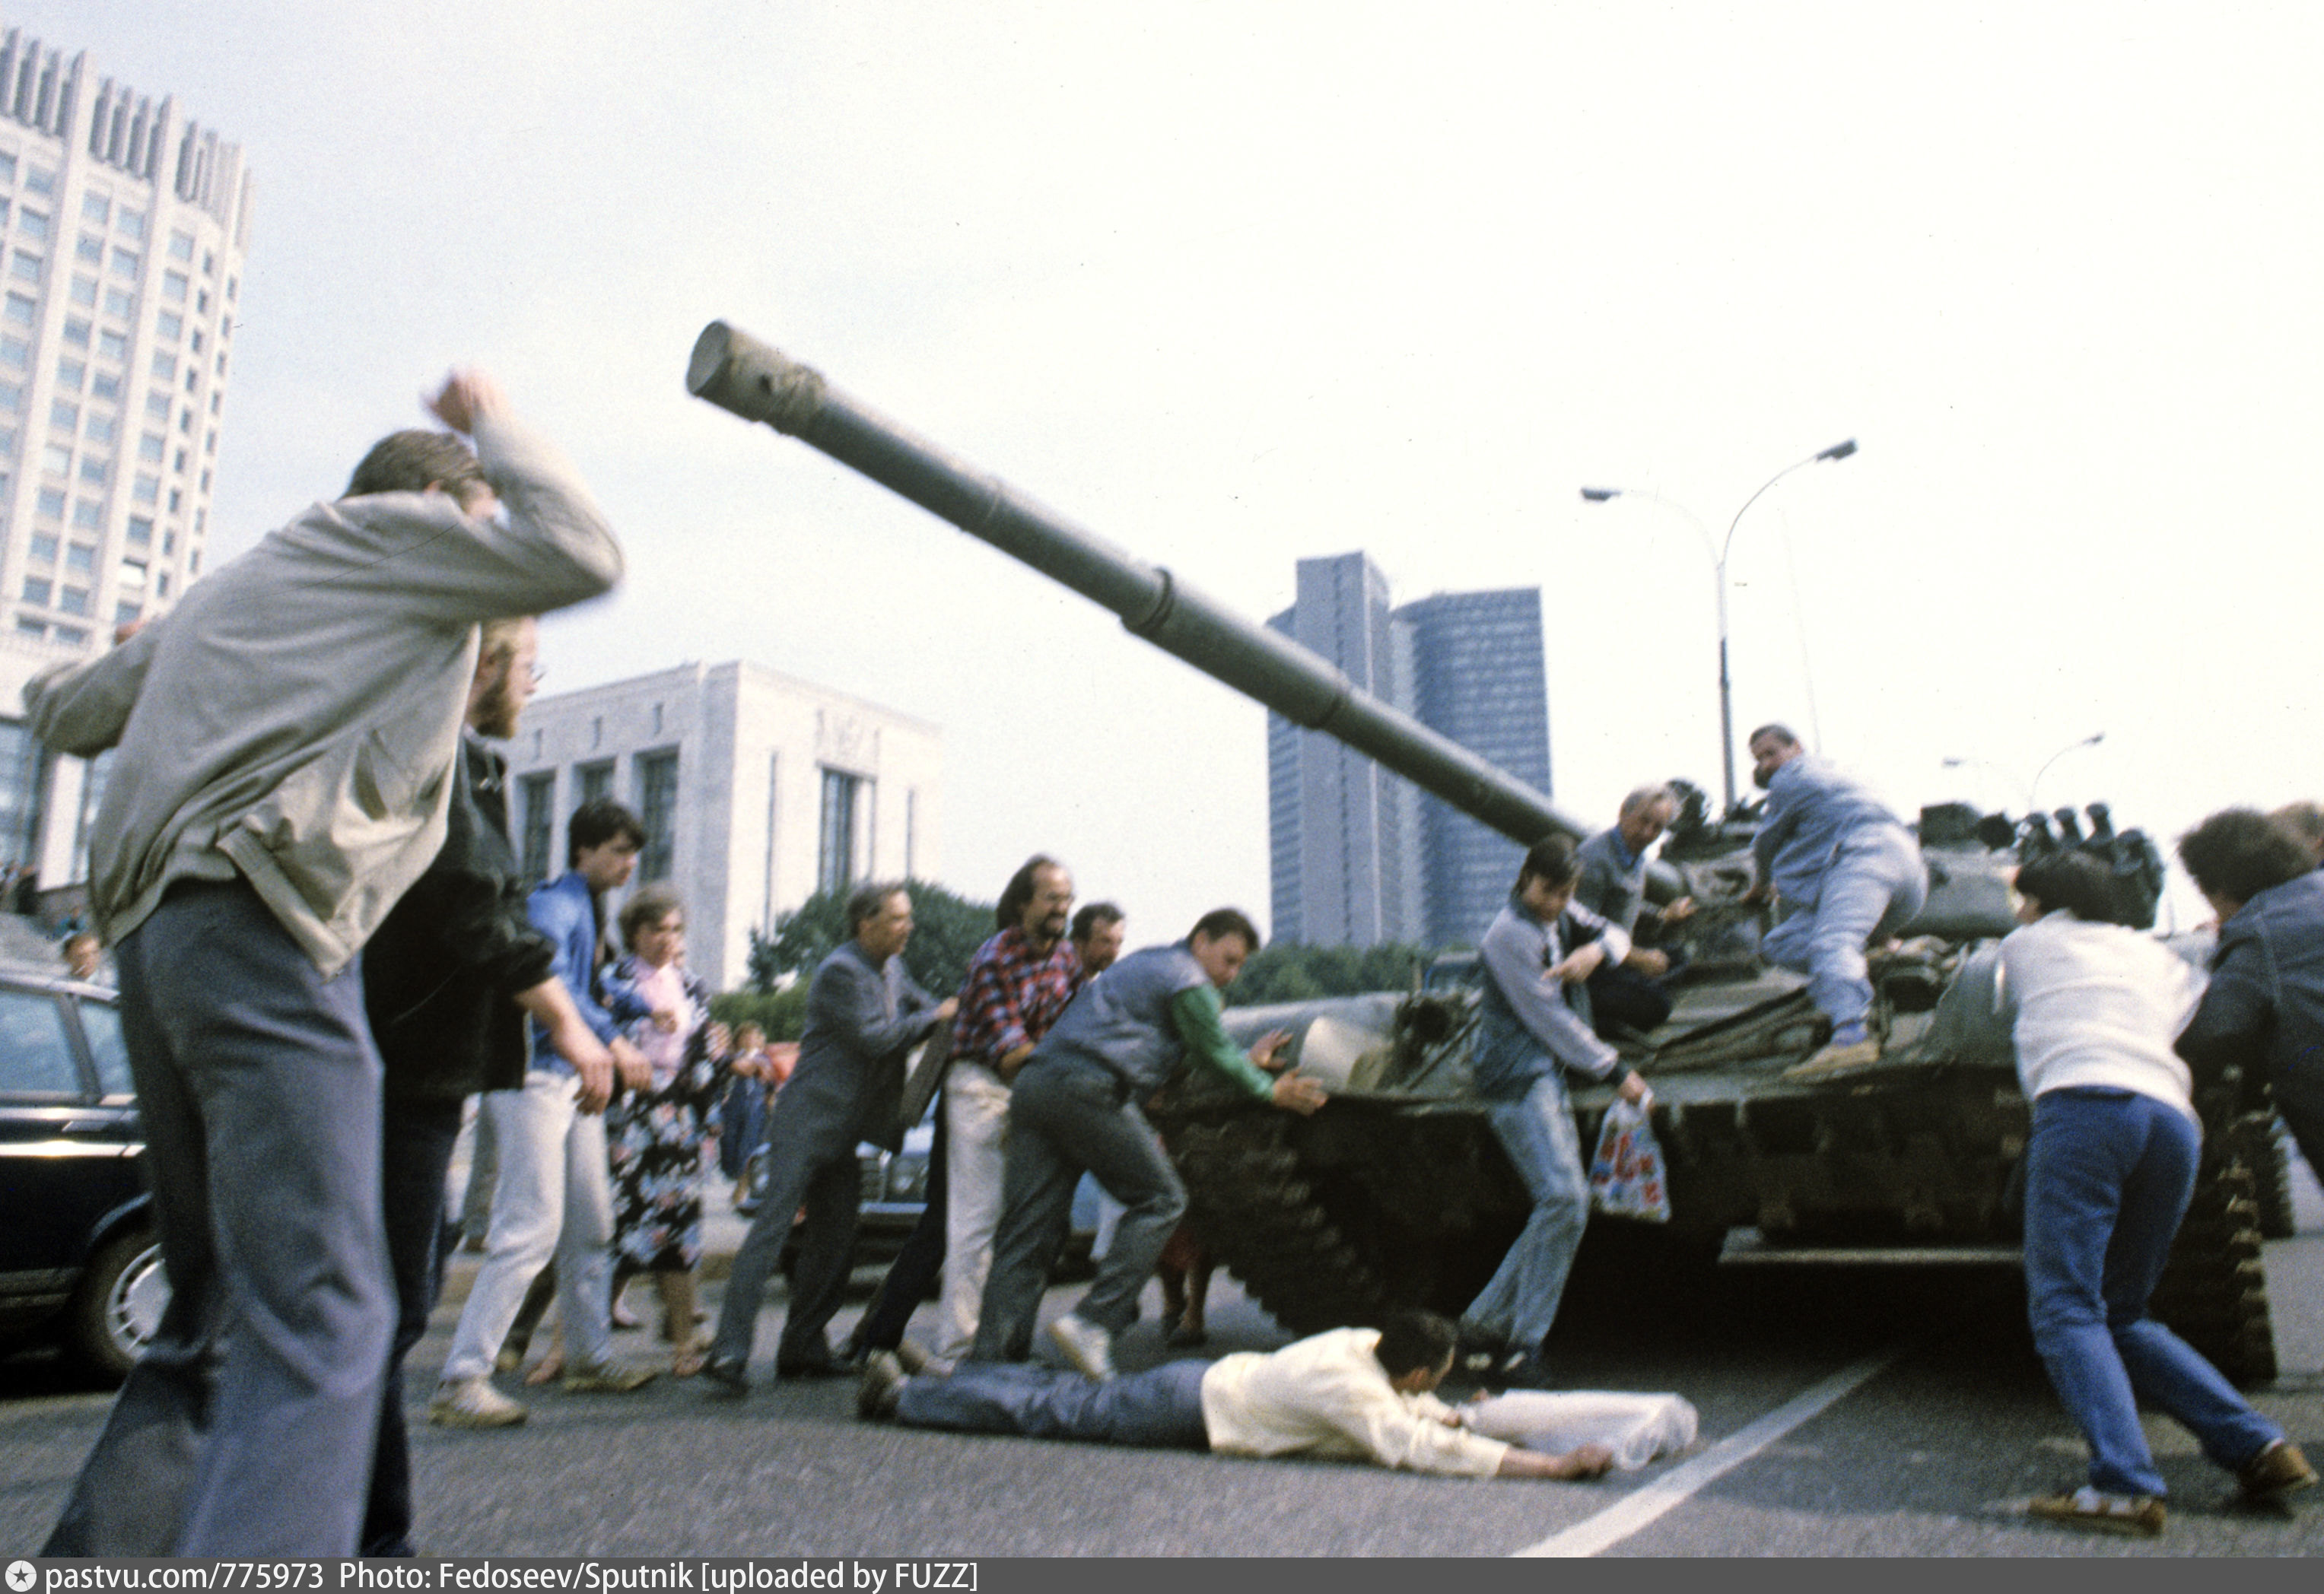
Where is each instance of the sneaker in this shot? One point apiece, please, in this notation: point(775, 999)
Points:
point(1838, 1059)
point(882, 1386)
point(916, 1358)
point(606, 1377)
point(724, 1380)
point(509, 1359)
point(473, 1402)
point(1089, 1347)
point(1521, 1369)
point(2276, 1471)
point(2138, 1516)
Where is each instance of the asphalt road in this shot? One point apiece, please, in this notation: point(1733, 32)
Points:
point(1937, 1425)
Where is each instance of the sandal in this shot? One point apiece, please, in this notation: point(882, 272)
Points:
point(688, 1361)
point(548, 1371)
point(2140, 1515)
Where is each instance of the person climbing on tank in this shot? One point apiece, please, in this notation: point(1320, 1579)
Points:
point(1539, 954)
point(1845, 874)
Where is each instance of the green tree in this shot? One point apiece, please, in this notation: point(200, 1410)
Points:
point(947, 929)
point(1287, 974)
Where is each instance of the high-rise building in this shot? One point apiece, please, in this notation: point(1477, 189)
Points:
point(1477, 677)
point(1359, 856)
point(123, 225)
point(756, 790)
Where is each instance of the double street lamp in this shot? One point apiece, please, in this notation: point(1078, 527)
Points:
point(1719, 569)
point(2033, 791)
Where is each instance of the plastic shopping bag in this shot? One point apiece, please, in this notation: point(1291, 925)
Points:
point(1626, 1176)
point(1637, 1428)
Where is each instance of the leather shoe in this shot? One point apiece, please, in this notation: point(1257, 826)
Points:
point(814, 1367)
point(724, 1380)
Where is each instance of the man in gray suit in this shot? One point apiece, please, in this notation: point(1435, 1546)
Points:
point(863, 1014)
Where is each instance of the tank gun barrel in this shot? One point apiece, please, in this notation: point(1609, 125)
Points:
point(737, 372)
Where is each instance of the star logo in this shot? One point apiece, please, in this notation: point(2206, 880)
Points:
point(20, 1576)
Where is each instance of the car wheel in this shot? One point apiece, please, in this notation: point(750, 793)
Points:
point(119, 1307)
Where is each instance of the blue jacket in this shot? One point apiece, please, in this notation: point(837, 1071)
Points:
point(1812, 810)
point(2265, 1003)
point(564, 911)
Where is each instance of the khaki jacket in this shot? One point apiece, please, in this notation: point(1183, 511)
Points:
point(294, 720)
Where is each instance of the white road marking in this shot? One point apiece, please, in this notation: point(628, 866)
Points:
point(1636, 1510)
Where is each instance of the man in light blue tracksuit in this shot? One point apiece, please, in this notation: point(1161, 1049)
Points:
point(1846, 873)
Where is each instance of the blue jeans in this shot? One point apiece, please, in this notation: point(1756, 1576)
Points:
point(1066, 1118)
point(1159, 1409)
point(246, 1428)
point(1874, 883)
point(1519, 1303)
point(2109, 1173)
point(415, 1152)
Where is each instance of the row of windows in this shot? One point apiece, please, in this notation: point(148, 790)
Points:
point(38, 179)
point(32, 625)
point(654, 779)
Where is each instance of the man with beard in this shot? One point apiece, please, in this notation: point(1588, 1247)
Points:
point(1846, 873)
point(447, 982)
point(1019, 982)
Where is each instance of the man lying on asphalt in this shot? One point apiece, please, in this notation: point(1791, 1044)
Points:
point(1351, 1394)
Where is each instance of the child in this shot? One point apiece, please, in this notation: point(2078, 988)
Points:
point(2110, 1165)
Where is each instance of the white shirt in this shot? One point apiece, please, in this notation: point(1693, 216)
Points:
point(1328, 1396)
point(2098, 1005)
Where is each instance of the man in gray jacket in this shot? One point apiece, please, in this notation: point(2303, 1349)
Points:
point(1846, 873)
point(863, 1014)
point(286, 739)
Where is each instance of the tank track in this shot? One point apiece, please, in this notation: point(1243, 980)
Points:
point(1266, 1224)
point(2260, 1145)
point(2214, 1292)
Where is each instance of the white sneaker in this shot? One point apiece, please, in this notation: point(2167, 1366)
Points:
point(473, 1402)
point(1088, 1347)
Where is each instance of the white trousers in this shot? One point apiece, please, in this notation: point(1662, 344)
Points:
point(554, 1198)
point(976, 1133)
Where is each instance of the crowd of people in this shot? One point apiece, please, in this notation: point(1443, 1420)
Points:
point(325, 947)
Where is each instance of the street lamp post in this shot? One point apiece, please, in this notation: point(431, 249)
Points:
point(1719, 569)
point(2033, 790)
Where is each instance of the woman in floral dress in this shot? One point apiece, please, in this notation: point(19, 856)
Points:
point(655, 1138)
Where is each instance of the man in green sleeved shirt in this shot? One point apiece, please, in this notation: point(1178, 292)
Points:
point(1074, 1109)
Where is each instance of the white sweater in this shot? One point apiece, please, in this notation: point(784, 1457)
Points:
point(1329, 1396)
point(2098, 1005)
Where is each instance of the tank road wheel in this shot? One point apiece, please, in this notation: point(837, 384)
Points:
point(2214, 1293)
point(1266, 1227)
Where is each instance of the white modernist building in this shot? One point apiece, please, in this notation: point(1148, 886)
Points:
point(757, 789)
point(122, 232)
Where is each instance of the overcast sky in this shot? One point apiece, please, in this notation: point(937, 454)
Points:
point(1237, 284)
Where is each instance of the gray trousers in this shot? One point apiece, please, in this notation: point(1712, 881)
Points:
point(1875, 884)
point(246, 1429)
point(810, 1163)
point(1160, 1408)
point(1066, 1118)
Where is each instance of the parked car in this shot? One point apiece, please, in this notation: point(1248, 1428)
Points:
point(79, 1263)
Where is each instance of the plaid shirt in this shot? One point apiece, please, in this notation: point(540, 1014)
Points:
point(1012, 995)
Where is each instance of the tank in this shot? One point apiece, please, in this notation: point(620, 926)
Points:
point(1397, 1193)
